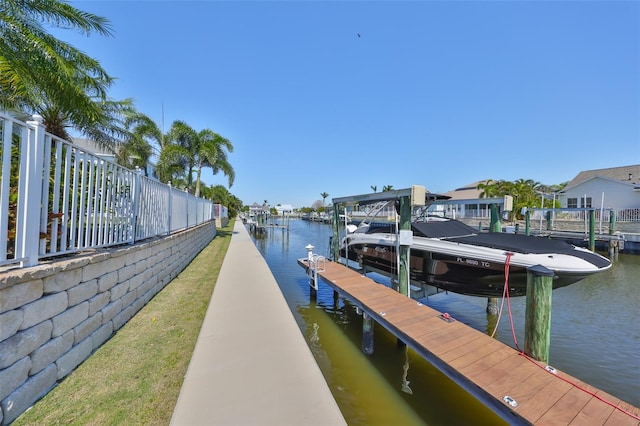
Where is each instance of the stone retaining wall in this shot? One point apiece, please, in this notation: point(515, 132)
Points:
point(55, 315)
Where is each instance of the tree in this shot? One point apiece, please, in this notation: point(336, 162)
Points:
point(387, 188)
point(374, 188)
point(523, 192)
point(220, 195)
point(108, 129)
point(142, 127)
point(324, 196)
point(485, 188)
point(137, 148)
point(40, 74)
point(188, 151)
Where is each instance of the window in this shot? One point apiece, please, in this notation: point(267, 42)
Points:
point(574, 203)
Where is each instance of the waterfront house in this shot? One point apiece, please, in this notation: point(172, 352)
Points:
point(256, 209)
point(613, 188)
point(284, 209)
point(469, 202)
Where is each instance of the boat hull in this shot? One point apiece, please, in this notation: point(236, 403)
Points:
point(459, 273)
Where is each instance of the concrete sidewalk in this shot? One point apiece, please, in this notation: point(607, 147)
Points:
point(251, 364)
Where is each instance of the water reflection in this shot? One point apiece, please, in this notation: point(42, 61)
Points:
point(396, 386)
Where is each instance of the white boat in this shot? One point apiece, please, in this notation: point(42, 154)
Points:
point(452, 256)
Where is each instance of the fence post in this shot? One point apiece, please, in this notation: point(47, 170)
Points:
point(5, 170)
point(170, 208)
point(136, 205)
point(31, 191)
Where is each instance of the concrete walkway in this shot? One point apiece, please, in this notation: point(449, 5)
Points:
point(251, 364)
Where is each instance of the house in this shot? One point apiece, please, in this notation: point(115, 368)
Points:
point(464, 202)
point(613, 188)
point(256, 209)
point(284, 209)
point(467, 192)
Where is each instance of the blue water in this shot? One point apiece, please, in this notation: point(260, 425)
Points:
point(595, 336)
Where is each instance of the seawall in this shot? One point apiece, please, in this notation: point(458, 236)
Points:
point(55, 315)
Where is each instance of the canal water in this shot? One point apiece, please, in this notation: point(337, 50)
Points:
point(595, 336)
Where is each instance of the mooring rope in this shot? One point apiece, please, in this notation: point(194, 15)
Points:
point(548, 369)
point(505, 291)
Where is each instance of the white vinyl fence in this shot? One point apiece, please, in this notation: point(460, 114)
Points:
point(57, 198)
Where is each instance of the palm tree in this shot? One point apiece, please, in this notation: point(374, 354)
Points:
point(108, 129)
point(188, 151)
point(39, 73)
point(324, 196)
point(375, 188)
point(143, 140)
point(213, 154)
point(524, 192)
point(387, 188)
point(142, 126)
point(487, 188)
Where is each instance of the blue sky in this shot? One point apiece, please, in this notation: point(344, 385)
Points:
point(337, 96)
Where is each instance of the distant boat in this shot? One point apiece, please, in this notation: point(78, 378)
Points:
point(452, 256)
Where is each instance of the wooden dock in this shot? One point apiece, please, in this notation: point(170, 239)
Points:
point(514, 386)
point(262, 227)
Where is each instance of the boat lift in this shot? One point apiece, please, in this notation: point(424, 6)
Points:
point(406, 199)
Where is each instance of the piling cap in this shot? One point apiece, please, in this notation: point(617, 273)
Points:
point(541, 271)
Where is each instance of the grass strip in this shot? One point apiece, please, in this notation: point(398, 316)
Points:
point(136, 376)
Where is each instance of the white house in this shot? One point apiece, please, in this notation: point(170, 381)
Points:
point(256, 209)
point(615, 188)
point(284, 208)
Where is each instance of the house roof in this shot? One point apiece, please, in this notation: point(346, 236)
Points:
point(627, 174)
point(467, 192)
point(92, 146)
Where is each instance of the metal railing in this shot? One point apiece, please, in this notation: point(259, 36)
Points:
point(580, 214)
point(58, 198)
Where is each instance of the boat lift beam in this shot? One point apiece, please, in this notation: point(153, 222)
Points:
point(414, 196)
point(416, 193)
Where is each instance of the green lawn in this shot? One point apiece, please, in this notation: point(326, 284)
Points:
point(135, 377)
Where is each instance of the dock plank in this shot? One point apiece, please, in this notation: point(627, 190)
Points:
point(566, 408)
point(593, 413)
point(482, 364)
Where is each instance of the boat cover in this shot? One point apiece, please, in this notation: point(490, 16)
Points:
point(458, 232)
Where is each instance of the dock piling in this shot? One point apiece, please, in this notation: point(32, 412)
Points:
point(537, 325)
point(492, 305)
point(495, 225)
point(367, 333)
point(406, 238)
point(612, 222)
